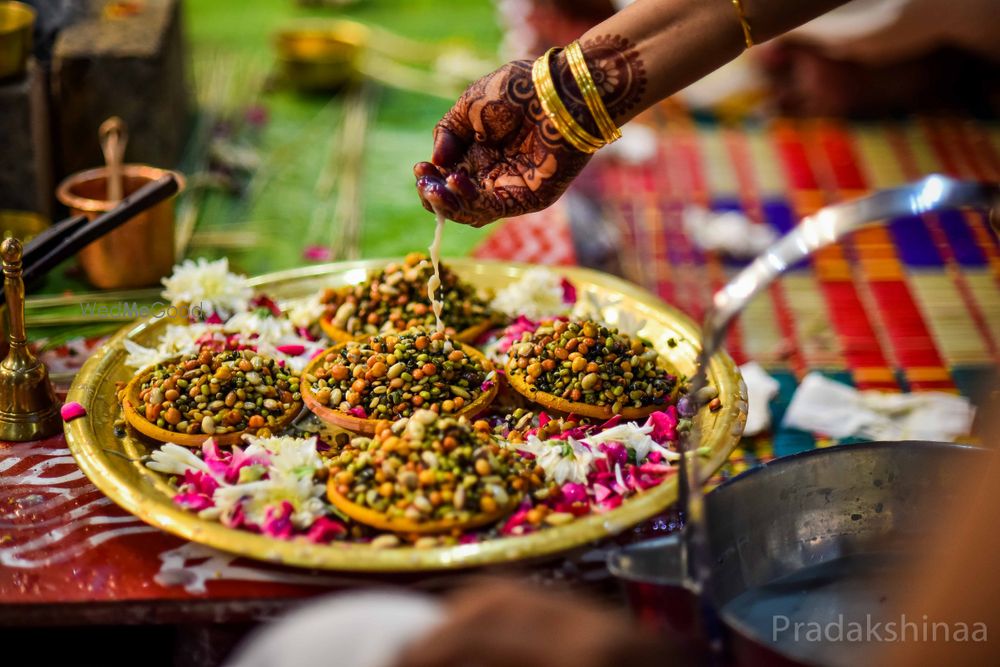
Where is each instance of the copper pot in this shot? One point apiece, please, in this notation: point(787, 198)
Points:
point(138, 253)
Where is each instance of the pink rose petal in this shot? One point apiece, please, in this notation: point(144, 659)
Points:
point(655, 469)
point(317, 253)
point(193, 501)
point(324, 530)
point(291, 350)
point(568, 291)
point(72, 410)
point(240, 460)
point(601, 492)
point(264, 301)
point(574, 493)
point(237, 518)
point(278, 521)
point(216, 459)
point(200, 482)
point(664, 423)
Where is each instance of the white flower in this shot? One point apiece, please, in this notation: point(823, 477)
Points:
point(176, 460)
point(303, 313)
point(141, 357)
point(258, 497)
point(633, 437)
point(179, 339)
point(272, 333)
point(176, 339)
point(270, 330)
point(289, 456)
point(292, 465)
point(562, 460)
point(208, 285)
point(538, 294)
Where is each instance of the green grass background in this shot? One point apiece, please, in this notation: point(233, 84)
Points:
point(296, 141)
point(399, 134)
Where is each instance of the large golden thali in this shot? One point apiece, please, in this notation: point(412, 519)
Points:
point(115, 464)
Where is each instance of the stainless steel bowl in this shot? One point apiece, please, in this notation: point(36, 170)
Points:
point(818, 537)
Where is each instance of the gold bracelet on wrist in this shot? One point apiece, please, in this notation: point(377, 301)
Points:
point(742, 16)
point(578, 66)
point(579, 138)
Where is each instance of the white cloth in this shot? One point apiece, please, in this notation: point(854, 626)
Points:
point(761, 388)
point(637, 145)
point(348, 630)
point(821, 405)
point(729, 232)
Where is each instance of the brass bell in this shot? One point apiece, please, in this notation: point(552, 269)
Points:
point(29, 409)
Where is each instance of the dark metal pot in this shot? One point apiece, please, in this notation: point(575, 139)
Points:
point(814, 538)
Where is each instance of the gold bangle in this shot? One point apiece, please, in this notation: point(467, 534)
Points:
point(578, 66)
point(738, 4)
point(545, 88)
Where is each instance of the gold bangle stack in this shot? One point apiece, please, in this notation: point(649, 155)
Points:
point(577, 136)
point(577, 65)
point(742, 16)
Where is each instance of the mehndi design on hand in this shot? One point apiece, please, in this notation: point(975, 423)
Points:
point(496, 154)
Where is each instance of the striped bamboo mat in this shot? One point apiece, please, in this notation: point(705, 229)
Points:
point(913, 305)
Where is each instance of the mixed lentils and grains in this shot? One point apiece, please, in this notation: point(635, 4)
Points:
point(218, 393)
point(396, 299)
point(588, 362)
point(425, 463)
point(391, 376)
point(431, 468)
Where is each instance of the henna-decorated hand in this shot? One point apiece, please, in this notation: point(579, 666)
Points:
point(496, 154)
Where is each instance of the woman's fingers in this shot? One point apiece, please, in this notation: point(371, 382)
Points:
point(460, 199)
point(426, 169)
point(449, 147)
point(461, 186)
point(435, 194)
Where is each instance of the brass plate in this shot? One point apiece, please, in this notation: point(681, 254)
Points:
point(113, 465)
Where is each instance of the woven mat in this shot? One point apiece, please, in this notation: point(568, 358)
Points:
point(911, 306)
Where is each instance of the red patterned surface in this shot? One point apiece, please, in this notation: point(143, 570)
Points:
point(540, 238)
point(62, 540)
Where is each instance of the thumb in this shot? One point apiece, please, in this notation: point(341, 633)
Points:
point(449, 148)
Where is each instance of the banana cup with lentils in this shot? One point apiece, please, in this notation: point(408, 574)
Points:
point(356, 384)
point(222, 395)
point(589, 369)
point(395, 299)
point(429, 474)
